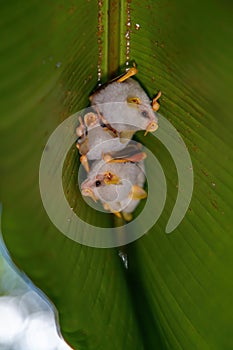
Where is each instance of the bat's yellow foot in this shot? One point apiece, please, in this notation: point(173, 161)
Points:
point(117, 213)
point(132, 71)
point(107, 207)
point(127, 216)
point(137, 193)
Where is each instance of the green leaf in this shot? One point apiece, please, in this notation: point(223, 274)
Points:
point(177, 291)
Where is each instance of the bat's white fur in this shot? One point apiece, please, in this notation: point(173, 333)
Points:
point(116, 196)
point(101, 141)
point(112, 103)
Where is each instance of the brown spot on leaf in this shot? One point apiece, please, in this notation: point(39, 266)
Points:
point(214, 204)
point(204, 172)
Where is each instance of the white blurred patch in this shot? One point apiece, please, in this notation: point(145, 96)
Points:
point(11, 320)
point(41, 333)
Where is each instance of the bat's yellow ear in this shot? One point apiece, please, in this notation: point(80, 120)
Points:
point(134, 101)
point(90, 119)
point(137, 193)
point(155, 104)
point(111, 178)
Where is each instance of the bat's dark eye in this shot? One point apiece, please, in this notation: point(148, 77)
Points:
point(79, 139)
point(145, 114)
point(97, 183)
point(102, 124)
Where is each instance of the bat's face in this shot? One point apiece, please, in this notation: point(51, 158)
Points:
point(101, 184)
point(96, 137)
point(126, 106)
point(90, 121)
point(115, 185)
point(145, 115)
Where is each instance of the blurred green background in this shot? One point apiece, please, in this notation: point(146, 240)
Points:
point(177, 290)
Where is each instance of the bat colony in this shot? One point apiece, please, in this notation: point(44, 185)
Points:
point(116, 174)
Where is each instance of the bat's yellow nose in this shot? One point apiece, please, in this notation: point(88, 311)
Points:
point(153, 126)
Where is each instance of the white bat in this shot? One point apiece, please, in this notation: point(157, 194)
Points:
point(117, 184)
point(96, 139)
point(125, 106)
point(122, 107)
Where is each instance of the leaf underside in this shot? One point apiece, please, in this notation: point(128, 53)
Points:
point(177, 291)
